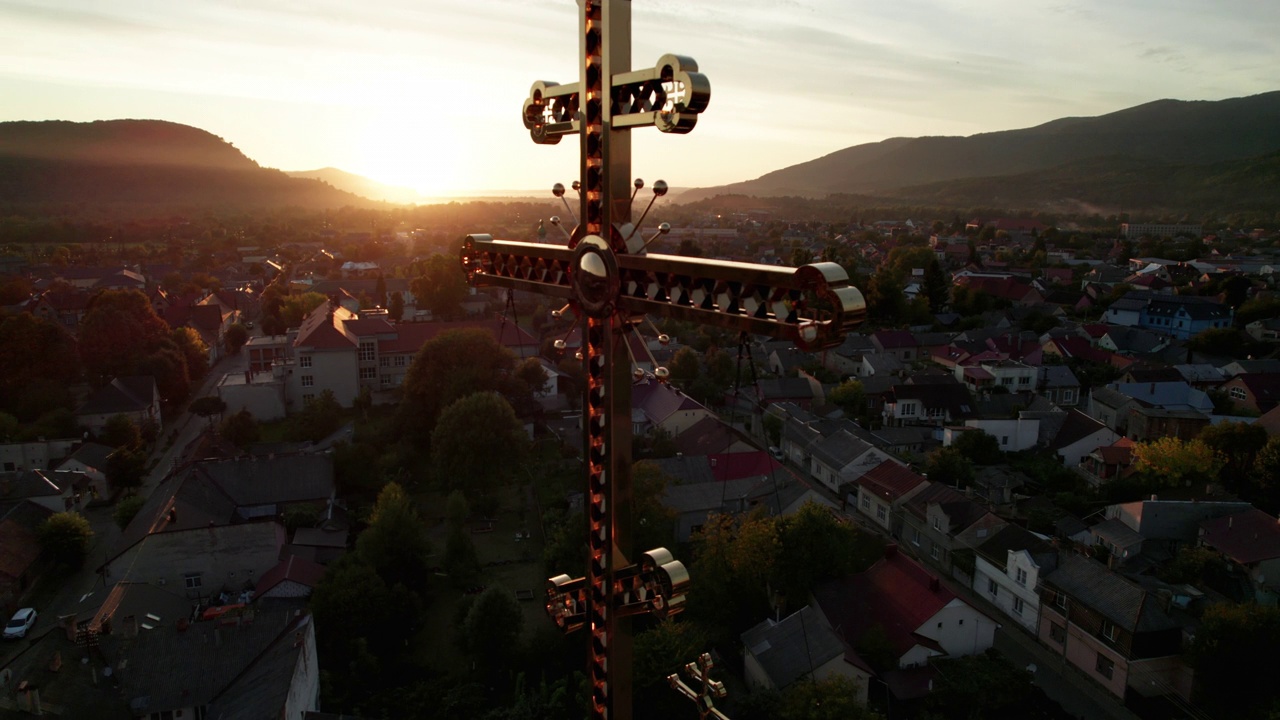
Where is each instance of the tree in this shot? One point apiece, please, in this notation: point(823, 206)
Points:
point(813, 546)
point(235, 338)
point(194, 352)
point(119, 431)
point(654, 522)
point(477, 443)
point(239, 429)
point(949, 466)
point(38, 361)
point(439, 287)
point(395, 544)
point(685, 366)
point(452, 365)
point(126, 510)
point(208, 406)
point(1170, 462)
point(492, 627)
point(1234, 658)
point(456, 509)
point(885, 299)
point(353, 606)
point(1237, 443)
point(1266, 477)
point(395, 306)
point(119, 331)
point(65, 536)
point(125, 468)
point(980, 687)
point(320, 417)
point(978, 446)
point(937, 287)
point(665, 648)
point(295, 308)
point(850, 397)
point(460, 560)
point(734, 556)
point(833, 698)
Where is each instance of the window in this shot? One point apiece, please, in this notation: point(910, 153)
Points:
point(399, 361)
point(1058, 633)
point(304, 361)
point(368, 351)
point(1109, 630)
point(368, 373)
point(1021, 577)
point(933, 552)
point(1017, 606)
point(915, 536)
point(10, 467)
point(1068, 396)
point(1004, 439)
point(1024, 380)
point(1006, 381)
point(881, 512)
point(909, 409)
point(937, 524)
point(1237, 393)
point(308, 397)
point(308, 381)
point(1105, 666)
point(1060, 600)
point(866, 501)
point(193, 581)
point(993, 588)
point(386, 381)
point(384, 361)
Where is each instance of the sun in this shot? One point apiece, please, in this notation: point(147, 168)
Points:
point(404, 149)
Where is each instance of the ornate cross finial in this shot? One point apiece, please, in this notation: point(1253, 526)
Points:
point(700, 672)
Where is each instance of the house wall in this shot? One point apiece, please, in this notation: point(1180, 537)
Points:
point(681, 420)
point(872, 505)
point(1012, 435)
point(265, 401)
point(33, 455)
point(1007, 588)
point(917, 656)
point(304, 686)
point(1082, 650)
point(335, 370)
point(1073, 453)
point(960, 629)
point(756, 677)
point(1128, 318)
point(231, 554)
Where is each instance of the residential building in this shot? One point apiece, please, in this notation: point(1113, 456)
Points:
point(1013, 435)
point(1080, 435)
point(1172, 525)
point(1117, 633)
point(20, 549)
point(939, 521)
point(1254, 392)
point(931, 404)
point(1138, 230)
point(1151, 423)
point(656, 405)
point(1250, 540)
point(38, 455)
point(135, 397)
point(921, 618)
point(880, 492)
point(840, 458)
point(1008, 566)
point(801, 646)
point(1107, 462)
point(1058, 385)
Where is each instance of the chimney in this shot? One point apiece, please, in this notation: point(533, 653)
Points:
point(1154, 497)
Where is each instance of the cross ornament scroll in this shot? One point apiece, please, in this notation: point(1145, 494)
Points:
point(612, 284)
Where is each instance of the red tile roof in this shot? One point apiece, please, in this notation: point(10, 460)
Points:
point(1248, 537)
point(299, 570)
point(894, 339)
point(890, 480)
point(895, 593)
point(324, 329)
point(735, 466)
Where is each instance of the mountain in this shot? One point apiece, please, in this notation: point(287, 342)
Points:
point(360, 185)
point(1157, 133)
point(143, 163)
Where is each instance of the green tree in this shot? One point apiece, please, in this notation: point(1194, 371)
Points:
point(949, 466)
point(353, 606)
point(1266, 477)
point(454, 364)
point(119, 333)
point(194, 352)
point(981, 687)
point(478, 443)
point(456, 509)
point(126, 510)
point(654, 522)
point(65, 536)
point(120, 431)
point(295, 308)
point(492, 628)
point(395, 543)
point(395, 306)
point(937, 287)
point(1233, 654)
point(235, 338)
point(319, 418)
point(440, 287)
point(208, 406)
point(38, 361)
point(850, 397)
point(1237, 443)
point(685, 367)
point(833, 698)
point(125, 468)
point(733, 556)
point(813, 546)
point(239, 429)
point(885, 299)
point(665, 648)
point(978, 446)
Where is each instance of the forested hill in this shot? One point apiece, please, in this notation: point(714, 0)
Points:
point(1164, 132)
point(142, 163)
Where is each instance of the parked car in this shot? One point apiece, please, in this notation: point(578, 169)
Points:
point(21, 622)
point(776, 452)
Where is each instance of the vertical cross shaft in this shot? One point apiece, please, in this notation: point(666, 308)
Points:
point(605, 46)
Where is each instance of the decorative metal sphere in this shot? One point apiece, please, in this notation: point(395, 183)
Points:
point(664, 339)
point(560, 344)
point(577, 355)
point(558, 190)
point(637, 373)
point(577, 185)
point(664, 228)
point(661, 373)
point(660, 188)
point(639, 183)
point(555, 219)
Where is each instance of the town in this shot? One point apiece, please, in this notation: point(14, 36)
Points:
point(295, 467)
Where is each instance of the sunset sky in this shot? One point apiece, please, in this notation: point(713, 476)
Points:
point(427, 93)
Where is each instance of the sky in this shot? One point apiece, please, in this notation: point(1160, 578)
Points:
point(427, 93)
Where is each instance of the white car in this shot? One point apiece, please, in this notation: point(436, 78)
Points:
point(21, 622)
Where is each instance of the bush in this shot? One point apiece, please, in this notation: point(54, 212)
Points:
point(126, 509)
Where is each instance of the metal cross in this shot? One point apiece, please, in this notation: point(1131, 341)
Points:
point(609, 280)
point(700, 672)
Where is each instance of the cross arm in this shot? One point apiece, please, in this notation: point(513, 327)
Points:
point(812, 305)
point(668, 96)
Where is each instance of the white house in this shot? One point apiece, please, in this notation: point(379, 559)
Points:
point(1007, 572)
point(1014, 435)
point(882, 490)
point(1079, 436)
point(841, 458)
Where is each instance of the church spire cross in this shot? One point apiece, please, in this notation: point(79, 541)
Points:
point(612, 283)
